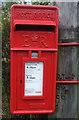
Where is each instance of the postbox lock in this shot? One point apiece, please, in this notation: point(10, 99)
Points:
point(21, 81)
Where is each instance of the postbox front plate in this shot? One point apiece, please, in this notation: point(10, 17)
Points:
point(34, 37)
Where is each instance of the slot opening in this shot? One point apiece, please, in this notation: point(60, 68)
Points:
point(34, 27)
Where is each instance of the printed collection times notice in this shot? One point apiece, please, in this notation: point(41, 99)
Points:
point(33, 79)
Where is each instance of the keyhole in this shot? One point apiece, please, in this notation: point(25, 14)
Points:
point(21, 81)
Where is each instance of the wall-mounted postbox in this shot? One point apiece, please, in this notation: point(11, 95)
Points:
point(34, 37)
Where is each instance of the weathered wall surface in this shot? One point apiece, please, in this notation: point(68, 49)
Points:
point(68, 62)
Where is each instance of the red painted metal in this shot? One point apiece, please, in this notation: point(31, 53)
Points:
point(35, 49)
point(33, 28)
point(67, 44)
point(33, 23)
point(67, 81)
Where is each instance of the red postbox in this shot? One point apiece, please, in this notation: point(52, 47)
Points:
point(34, 46)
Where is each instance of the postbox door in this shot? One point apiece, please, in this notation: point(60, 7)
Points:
point(37, 101)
